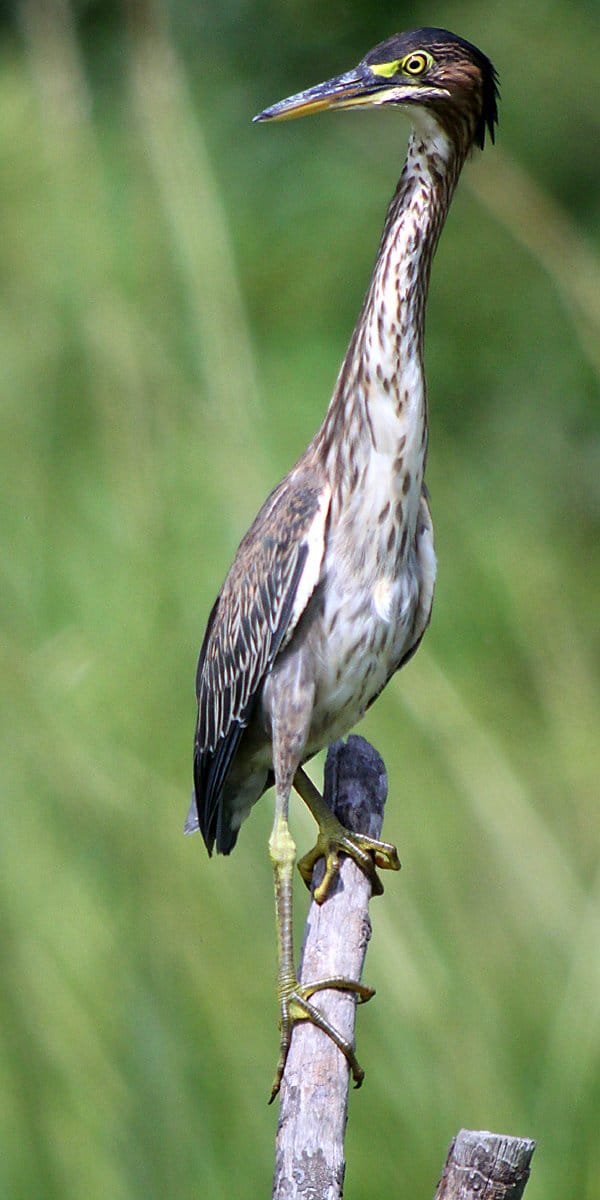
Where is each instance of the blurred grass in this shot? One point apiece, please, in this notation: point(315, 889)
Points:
point(178, 289)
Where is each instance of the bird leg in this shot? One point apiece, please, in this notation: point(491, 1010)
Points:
point(295, 997)
point(333, 838)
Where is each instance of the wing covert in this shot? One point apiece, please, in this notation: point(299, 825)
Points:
point(270, 582)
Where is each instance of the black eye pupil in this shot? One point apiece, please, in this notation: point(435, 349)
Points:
point(415, 64)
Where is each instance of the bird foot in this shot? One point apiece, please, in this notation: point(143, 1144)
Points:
point(368, 853)
point(295, 1005)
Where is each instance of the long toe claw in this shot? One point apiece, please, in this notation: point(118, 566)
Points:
point(296, 1006)
point(333, 839)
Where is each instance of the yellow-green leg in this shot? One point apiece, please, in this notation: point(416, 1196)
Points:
point(334, 839)
point(294, 997)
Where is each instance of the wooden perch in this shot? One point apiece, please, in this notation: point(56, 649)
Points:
point(485, 1164)
point(309, 1156)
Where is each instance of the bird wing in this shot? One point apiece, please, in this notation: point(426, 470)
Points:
point(272, 578)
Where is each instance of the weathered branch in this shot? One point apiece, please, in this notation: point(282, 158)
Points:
point(485, 1164)
point(309, 1158)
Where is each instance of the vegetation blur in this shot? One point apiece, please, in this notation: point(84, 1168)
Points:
point(178, 291)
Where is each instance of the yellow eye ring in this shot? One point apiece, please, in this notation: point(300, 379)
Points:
point(416, 63)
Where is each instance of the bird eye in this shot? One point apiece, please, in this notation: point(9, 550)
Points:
point(415, 64)
point(412, 64)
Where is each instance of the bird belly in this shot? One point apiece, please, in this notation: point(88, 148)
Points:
point(361, 638)
point(363, 618)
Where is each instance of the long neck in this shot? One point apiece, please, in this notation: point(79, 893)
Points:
point(379, 400)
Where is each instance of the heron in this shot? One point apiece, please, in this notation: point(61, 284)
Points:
point(331, 589)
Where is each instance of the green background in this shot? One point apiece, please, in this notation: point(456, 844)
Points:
point(178, 288)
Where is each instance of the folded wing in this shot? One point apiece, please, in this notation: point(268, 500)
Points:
point(272, 578)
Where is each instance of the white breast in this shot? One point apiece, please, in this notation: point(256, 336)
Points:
point(363, 635)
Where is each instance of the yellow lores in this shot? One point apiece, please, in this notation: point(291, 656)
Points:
point(412, 64)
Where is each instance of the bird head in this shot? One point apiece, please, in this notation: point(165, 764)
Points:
point(428, 70)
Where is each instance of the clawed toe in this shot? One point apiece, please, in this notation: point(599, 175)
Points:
point(368, 853)
point(295, 1003)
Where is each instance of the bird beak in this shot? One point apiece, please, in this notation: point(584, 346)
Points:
point(343, 91)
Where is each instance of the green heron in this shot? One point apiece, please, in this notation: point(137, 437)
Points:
point(331, 589)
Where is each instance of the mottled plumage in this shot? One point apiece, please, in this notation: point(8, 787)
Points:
point(255, 614)
point(331, 589)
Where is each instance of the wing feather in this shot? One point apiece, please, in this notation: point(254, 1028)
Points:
point(272, 578)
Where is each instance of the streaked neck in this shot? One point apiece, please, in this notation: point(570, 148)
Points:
point(380, 395)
